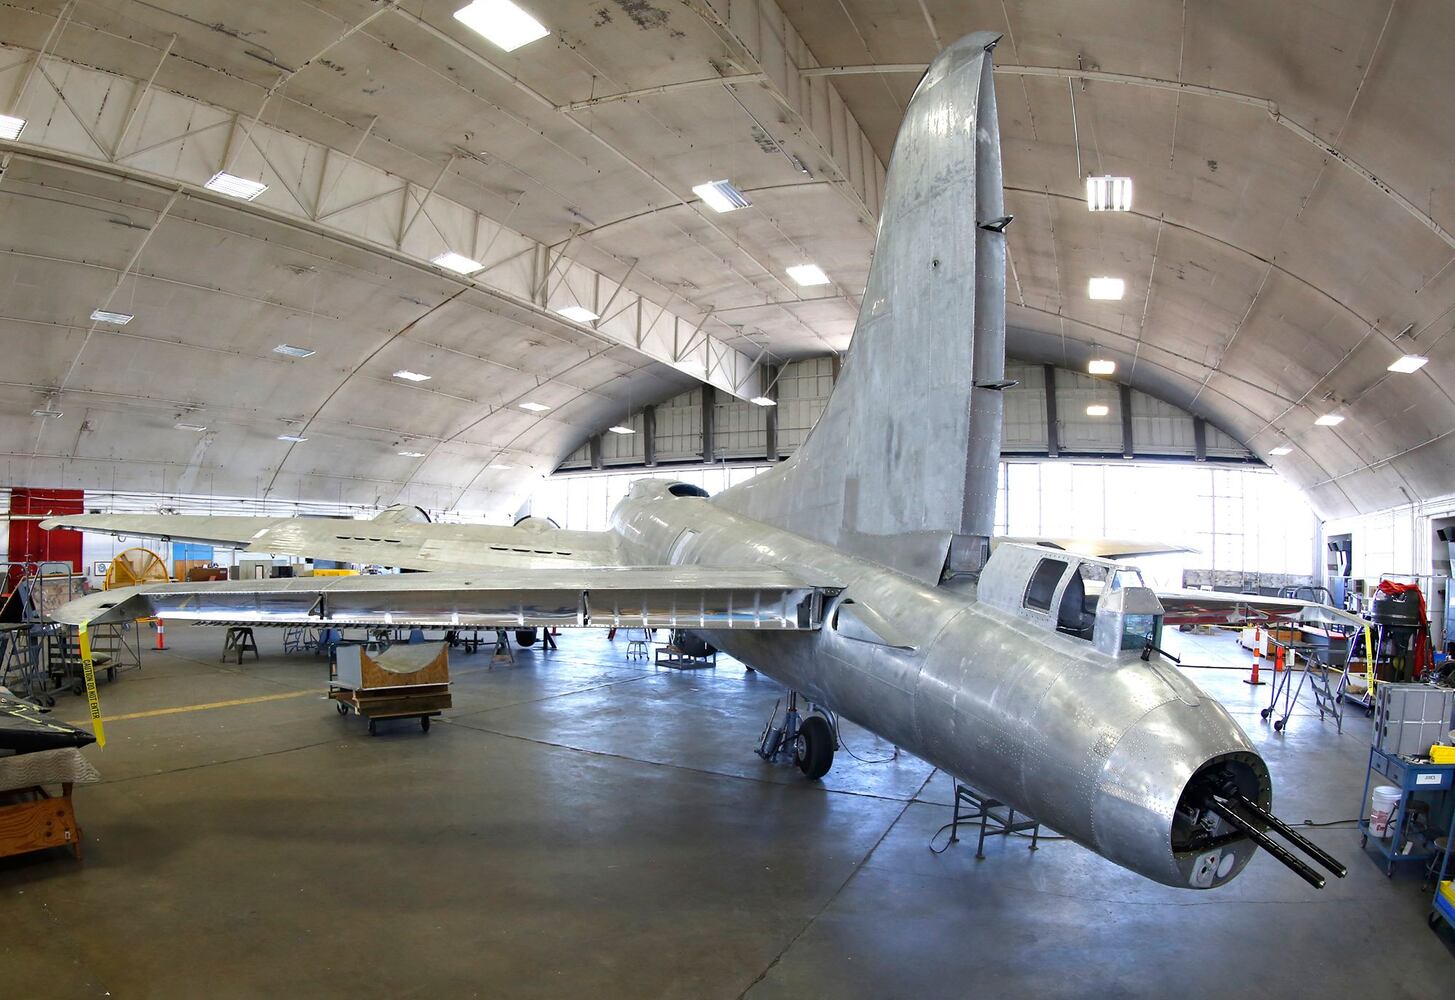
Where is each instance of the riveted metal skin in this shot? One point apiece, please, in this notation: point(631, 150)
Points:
point(1100, 747)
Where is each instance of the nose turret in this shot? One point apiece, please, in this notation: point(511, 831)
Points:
point(1185, 799)
point(1148, 812)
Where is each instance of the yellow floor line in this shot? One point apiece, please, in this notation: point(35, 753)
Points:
point(198, 708)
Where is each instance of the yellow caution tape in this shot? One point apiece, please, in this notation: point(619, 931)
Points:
point(88, 669)
point(1369, 660)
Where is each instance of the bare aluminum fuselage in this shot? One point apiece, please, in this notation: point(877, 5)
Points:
point(1100, 747)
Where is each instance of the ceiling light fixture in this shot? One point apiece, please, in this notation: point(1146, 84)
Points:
point(578, 313)
point(199, 428)
point(1106, 289)
point(535, 407)
point(808, 274)
point(114, 318)
point(620, 429)
point(721, 196)
point(11, 127)
point(234, 186)
point(763, 401)
point(1282, 449)
point(1329, 420)
point(457, 262)
point(1109, 194)
point(410, 376)
point(1409, 363)
point(411, 454)
point(294, 352)
point(294, 438)
point(1097, 410)
point(1101, 366)
point(502, 23)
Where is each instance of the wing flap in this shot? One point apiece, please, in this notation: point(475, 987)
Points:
point(631, 596)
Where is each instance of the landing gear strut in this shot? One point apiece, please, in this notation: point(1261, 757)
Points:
point(810, 742)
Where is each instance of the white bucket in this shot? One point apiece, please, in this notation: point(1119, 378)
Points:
point(1383, 802)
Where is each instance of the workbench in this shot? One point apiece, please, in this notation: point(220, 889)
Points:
point(31, 818)
point(1410, 777)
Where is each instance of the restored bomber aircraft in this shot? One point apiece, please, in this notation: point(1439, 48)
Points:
point(860, 572)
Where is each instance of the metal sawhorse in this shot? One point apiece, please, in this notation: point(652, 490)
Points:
point(983, 805)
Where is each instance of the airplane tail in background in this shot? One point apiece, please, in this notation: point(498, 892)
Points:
point(901, 467)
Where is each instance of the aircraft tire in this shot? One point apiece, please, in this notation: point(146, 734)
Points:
point(525, 637)
point(814, 750)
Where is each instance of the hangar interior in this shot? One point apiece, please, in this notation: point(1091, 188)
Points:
point(465, 271)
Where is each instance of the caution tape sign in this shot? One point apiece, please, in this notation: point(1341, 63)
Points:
point(88, 670)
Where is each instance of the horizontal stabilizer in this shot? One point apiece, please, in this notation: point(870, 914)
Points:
point(634, 596)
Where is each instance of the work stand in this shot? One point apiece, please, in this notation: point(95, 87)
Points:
point(991, 824)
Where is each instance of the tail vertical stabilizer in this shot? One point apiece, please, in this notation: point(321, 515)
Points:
point(902, 465)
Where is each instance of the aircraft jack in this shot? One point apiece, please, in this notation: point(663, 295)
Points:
point(808, 742)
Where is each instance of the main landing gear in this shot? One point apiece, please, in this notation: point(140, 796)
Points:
point(810, 742)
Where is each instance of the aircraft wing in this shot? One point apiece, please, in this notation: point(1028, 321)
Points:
point(1211, 607)
point(383, 541)
point(621, 596)
point(1100, 548)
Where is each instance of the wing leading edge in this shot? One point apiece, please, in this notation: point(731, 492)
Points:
point(621, 596)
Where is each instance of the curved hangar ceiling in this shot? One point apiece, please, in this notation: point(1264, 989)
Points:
point(1287, 239)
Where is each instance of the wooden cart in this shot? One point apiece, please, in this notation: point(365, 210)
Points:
point(391, 682)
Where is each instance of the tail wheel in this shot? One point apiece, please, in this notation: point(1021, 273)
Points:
point(814, 750)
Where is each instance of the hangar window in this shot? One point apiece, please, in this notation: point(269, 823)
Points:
point(1043, 584)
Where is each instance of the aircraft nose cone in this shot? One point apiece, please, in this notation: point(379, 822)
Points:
point(1149, 797)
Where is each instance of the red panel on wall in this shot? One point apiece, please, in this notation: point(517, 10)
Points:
point(28, 543)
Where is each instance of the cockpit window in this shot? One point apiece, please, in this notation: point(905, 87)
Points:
point(1043, 584)
point(687, 490)
point(1138, 630)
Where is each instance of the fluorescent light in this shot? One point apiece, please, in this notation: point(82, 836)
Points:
point(11, 127)
point(294, 352)
point(1097, 410)
point(46, 412)
point(236, 187)
point(1282, 449)
point(115, 318)
point(535, 407)
point(199, 428)
point(763, 401)
point(498, 467)
point(578, 313)
point(1329, 420)
point(1109, 289)
point(1101, 366)
point(292, 437)
point(502, 23)
point(808, 274)
point(1109, 194)
point(721, 196)
point(411, 454)
point(1409, 363)
point(457, 262)
point(410, 376)
point(620, 429)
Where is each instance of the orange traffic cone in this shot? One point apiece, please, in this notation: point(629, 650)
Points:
point(161, 634)
point(1257, 652)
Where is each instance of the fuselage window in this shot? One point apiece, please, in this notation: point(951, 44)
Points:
point(1043, 584)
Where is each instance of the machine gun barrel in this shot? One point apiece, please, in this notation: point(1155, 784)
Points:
point(1313, 850)
point(1273, 847)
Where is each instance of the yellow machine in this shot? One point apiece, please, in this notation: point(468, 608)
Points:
point(135, 566)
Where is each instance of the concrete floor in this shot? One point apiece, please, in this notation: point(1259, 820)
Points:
point(583, 826)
